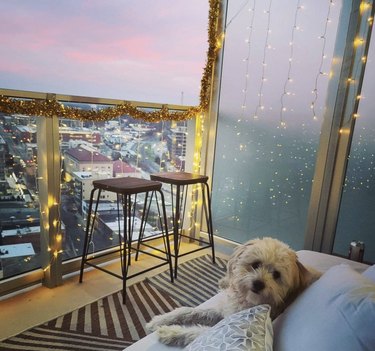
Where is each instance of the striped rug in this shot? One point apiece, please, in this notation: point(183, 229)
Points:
point(107, 324)
point(196, 282)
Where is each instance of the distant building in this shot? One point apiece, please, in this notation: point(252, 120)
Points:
point(85, 159)
point(69, 135)
point(83, 186)
point(176, 141)
point(23, 235)
point(123, 169)
point(25, 134)
point(21, 120)
point(31, 152)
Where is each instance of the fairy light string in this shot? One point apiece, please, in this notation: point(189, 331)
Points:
point(288, 80)
point(194, 196)
point(323, 56)
point(360, 44)
point(247, 58)
point(267, 46)
point(51, 107)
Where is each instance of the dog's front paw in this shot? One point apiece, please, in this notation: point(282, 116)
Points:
point(177, 335)
point(171, 335)
point(155, 322)
point(174, 317)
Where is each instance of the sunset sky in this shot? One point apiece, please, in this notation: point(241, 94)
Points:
point(132, 50)
point(153, 50)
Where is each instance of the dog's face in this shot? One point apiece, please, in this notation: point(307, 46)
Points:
point(265, 271)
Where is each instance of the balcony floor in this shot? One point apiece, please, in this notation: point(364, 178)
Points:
point(37, 305)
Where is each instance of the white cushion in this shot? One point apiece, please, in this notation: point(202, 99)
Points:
point(250, 329)
point(337, 312)
point(322, 262)
point(370, 273)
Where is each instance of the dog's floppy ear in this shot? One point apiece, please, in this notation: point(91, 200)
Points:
point(307, 276)
point(238, 251)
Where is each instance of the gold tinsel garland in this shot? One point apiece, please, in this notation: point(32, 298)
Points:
point(50, 108)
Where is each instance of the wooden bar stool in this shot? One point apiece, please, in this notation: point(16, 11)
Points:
point(127, 189)
point(179, 182)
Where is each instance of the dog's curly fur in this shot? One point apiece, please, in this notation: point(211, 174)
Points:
point(261, 271)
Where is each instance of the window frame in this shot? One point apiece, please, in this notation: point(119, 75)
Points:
point(338, 127)
point(52, 267)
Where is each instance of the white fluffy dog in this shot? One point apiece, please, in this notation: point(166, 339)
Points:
point(262, 271)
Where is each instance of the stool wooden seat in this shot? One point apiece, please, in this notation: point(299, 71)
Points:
point(127, 189)
point(179, 182)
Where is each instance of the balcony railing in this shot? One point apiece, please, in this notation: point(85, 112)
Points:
point(47, 167)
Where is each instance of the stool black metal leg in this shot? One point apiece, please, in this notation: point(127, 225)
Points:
point(183, 206)
point(124, 249)
point(119, 200)
point(124, 263)
point(129, 233)
point(89, 230)
point(132, 215)
point(176, 225)
point(168, 246)
point(161, 219)
point(143, 222)
point(208, 214)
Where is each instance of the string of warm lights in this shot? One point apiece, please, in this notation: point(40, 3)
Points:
point(55, 249)
point(267, 46)
point(199, 132)
point(247, 58)
point(322, 58)
point(288, 79)
point(360, 43)
point(365, 8)
point(51, 108)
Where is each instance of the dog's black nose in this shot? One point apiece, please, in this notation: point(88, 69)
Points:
point(258, 286)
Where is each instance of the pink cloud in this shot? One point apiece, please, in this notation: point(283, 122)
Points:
point(135, 48)
point(15, 67)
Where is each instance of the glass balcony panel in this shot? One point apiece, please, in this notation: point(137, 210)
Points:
point(277, 58)
point(19, 203)
point(117, 148)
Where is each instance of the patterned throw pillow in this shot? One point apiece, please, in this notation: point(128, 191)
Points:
point(249, 329)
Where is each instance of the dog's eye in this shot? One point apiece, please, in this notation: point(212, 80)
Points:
point(276, 275)
point(256, 264)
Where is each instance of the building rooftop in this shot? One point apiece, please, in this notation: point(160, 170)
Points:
point(16, 250)
point(20, 231)
point(83, 155)
point(122, 167)
point(91, 175)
